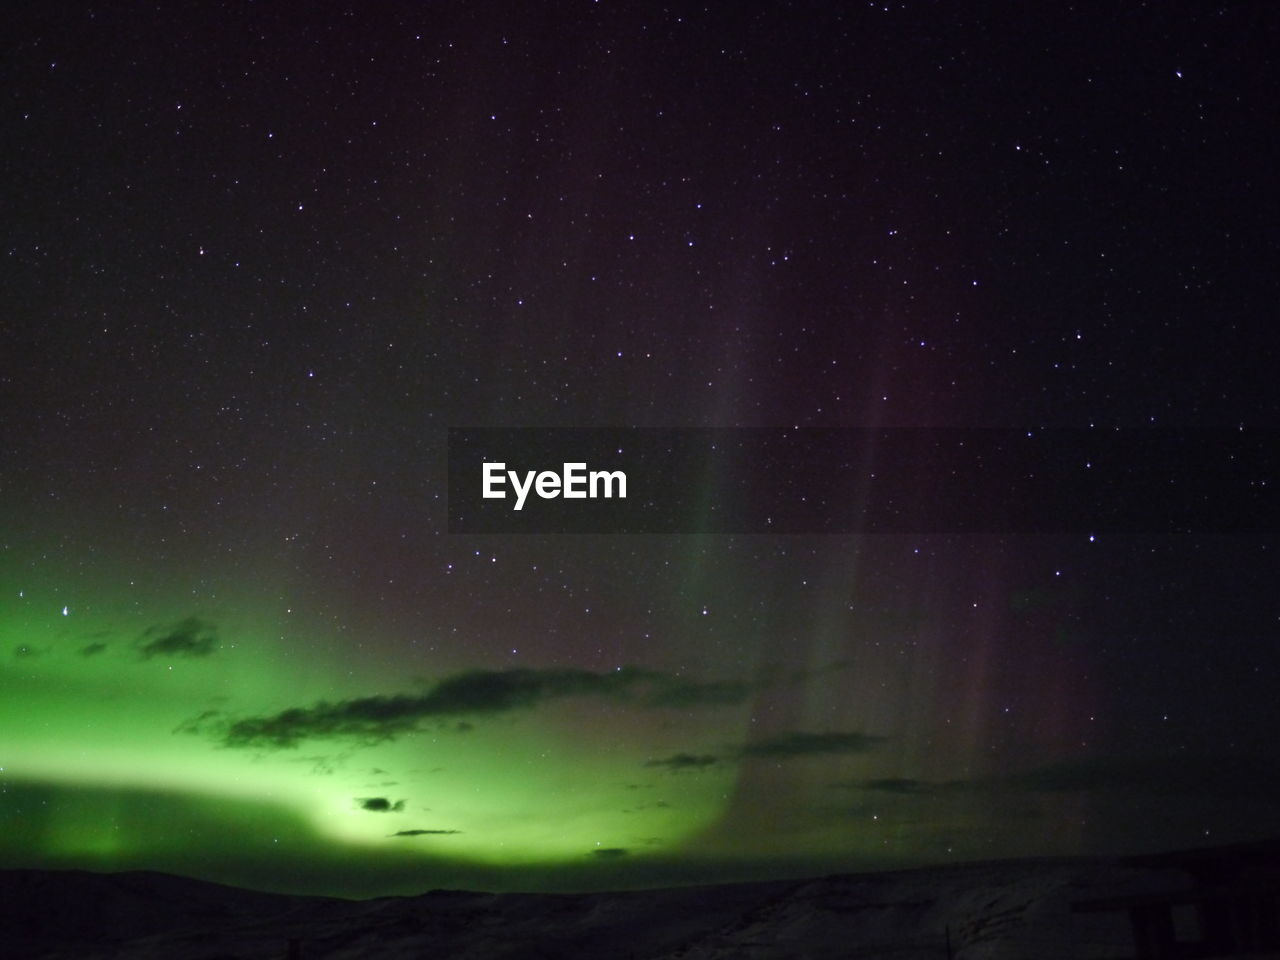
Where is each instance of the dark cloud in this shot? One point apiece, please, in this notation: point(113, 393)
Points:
point(367, 719)
point(200, 723)
point(1217, 777)
point(425, 833)
point(191, 637)
point(897, 785)
point(325, 766)
point(655, 805)
point(785, 746)
point(684, 761)
point(479, 692)
point(379, 805)
point(1199, 776)
point(698, 695)
point(801, 744)
point(92, 649)
point(610, 853)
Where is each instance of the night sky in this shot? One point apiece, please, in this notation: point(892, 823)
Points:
point(259, 258)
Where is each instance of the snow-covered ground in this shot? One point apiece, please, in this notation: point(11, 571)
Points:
point(1016, 910)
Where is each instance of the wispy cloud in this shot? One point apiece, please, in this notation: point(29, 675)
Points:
point(474, 693)
point(191, 637)
point(803, 744)
point(1186, 775)
point(424, 833)
point(685, 761)
point(899, 785)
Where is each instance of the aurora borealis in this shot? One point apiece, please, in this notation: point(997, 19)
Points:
point(258, 261)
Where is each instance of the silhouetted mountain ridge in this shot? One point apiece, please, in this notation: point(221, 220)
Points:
point(1008, 909)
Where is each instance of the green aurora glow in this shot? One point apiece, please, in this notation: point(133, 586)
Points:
point(89, 703)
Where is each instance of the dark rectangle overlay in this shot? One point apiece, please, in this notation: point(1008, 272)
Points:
point(849, 480)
